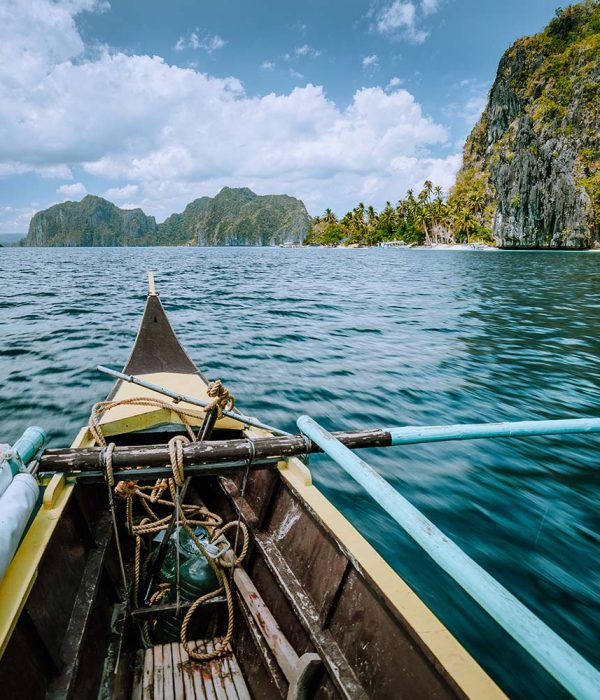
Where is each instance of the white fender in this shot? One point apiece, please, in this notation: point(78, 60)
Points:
point(16, 506)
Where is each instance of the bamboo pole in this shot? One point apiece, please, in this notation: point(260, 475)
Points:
point(214, 452)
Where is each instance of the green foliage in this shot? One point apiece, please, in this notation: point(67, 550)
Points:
point(233, 217)
point(553, 78)
point(427, 218)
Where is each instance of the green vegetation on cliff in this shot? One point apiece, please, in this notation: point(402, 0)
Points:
point(233, 217)
point(535, 152)
point(238, 217)
point(427, 218)
point(91, 222)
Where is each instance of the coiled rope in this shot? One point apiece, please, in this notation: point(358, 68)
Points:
point(189, 516)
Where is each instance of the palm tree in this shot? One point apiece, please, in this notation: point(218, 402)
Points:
point(464, 221)
point(422, 219)
point(425, 193)
point(329, 217)
point(371, 216)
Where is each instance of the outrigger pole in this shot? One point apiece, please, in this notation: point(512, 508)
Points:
point(212, 453)
point(568, 667)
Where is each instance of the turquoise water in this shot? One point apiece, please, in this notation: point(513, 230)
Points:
point(365, 338)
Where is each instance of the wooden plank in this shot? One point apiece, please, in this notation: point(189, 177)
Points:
point(115, 673)
point(178, 686)
point(280, 606)
point(313, 557)
point(187, 673)
point(216, 674)
point(148, 677)
point(75, 637)
point(325, 645)
point(138, 676)
point(385, 657)
point(281, 649)
point(202, 676)
point(158, 684)
point(230, 687)
point(238, 679)
point(168, 690)
point(275, 675)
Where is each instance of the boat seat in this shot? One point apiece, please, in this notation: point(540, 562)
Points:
point(165, 671)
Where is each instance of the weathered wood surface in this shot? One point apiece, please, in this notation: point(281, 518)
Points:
point(152, 473)
point(155, 611)
point(206, 452)
point(166, 673)
point(63, 686)
point(296, 669)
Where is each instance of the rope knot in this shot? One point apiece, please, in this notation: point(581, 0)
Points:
point(106, 459)
point(126, 489)
point(175, 446)
point(221, 398)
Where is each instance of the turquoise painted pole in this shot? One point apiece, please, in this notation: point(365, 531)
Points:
point(410, 435)
point(26, 447)
point(568, 667)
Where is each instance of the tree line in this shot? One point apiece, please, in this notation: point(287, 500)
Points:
point(427, 218)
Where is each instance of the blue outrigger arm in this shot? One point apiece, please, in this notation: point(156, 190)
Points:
point(561, 661)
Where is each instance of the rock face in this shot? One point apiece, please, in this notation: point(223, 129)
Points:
point(537, 144)
point(92, 222)
point(233, 217)
point(239, 217)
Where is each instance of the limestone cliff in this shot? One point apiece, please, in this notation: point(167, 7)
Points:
point(92, 222)
point(233, 217)
point(536, 147)
point(237, 216)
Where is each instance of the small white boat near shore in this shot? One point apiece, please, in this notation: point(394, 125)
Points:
point(457, 246)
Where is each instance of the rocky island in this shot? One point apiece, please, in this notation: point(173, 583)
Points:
point(535, 150)
point(531, 166)
point(234, 217)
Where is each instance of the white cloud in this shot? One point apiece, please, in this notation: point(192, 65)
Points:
point(60, 171)
point(394, 83)
point(474, 95)
point(167, 130)
point(370, 64)
point(15, 219)
point(296, 74)
point(400, 20)
point(267, 65)
point(195, 41)
point(396, 16)
point(306, 50)
point(302, 52)
point(429, 6)
point(75, 191)
point(121, 194)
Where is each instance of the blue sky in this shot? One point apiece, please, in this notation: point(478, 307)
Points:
point(153, 104)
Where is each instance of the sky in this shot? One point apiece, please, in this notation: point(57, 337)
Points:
point(152, 104)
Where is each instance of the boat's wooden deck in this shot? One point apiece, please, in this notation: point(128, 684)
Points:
point(165, 672)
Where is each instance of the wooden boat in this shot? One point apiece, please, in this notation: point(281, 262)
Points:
point(317, 612)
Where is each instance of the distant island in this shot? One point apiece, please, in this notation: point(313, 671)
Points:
point(531, 166)
point(11, 239)
point(235, 217)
